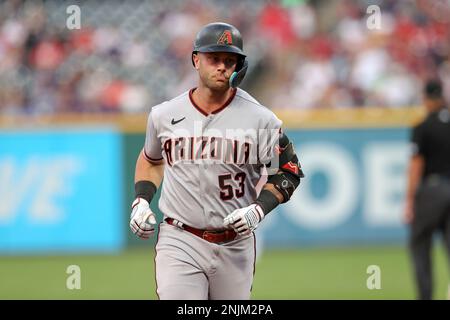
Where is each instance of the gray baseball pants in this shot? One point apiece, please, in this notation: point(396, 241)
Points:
point(191, 268)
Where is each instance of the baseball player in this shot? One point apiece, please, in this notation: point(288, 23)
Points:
point(212, 144)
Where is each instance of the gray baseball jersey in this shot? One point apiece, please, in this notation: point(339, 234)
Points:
point(212, 167)
point(213, 162)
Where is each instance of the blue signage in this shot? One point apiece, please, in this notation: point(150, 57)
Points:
point(353, 191)
point(60, 191)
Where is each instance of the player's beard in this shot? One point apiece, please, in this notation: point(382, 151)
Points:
point(210, 81)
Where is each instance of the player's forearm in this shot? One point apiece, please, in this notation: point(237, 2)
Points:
point(146, 171)
point(269, 198)
point(416, 167)
point(270, 187)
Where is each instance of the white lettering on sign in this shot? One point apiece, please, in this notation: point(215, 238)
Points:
point(36, 186)
point(378, 184)
point(343, 186)
point(385, 178)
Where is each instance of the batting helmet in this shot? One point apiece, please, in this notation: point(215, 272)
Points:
point(222, 37)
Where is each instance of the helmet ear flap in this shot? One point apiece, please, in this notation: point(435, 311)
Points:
point(240, 63)
point(238, 75)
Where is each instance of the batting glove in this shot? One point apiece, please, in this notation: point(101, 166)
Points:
point(245, 220)
point(142, 219)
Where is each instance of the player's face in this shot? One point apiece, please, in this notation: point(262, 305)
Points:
point(215, 69)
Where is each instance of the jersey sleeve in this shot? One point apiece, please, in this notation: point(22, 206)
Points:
point(418, 141)
point(152, 148)
point(268, 142)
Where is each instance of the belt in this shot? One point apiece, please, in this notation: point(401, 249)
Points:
point(208, 235)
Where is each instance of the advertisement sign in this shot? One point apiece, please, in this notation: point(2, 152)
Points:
point(353, 191)
point(60, 190)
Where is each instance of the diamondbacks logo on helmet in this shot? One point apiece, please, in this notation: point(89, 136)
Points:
point(225, 38)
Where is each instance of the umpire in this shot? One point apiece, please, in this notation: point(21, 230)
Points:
point(428, 196)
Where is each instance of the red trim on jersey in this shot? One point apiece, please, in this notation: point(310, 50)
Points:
point(150, 159)
point(233, 93)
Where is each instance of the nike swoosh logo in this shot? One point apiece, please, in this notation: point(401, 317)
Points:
point(175, 122)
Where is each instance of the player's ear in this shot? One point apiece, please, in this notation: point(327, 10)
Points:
point(195, 60)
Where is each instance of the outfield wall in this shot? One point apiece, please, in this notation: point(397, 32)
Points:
point(66, 182)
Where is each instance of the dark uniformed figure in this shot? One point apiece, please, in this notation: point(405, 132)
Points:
point(428, 196)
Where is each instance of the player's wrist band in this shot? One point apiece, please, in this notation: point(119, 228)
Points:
point(267, 200)
point(145, 189)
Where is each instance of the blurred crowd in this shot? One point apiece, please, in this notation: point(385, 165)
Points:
point(130, 55)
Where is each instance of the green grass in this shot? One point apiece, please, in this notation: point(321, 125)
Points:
point(313, 273)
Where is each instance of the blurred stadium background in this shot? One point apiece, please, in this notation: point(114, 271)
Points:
point(73, 107)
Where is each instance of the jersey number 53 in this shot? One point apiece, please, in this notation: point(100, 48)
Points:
point(227, 182)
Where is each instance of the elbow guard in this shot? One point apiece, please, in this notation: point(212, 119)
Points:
point(285, 183)
point(287, 179)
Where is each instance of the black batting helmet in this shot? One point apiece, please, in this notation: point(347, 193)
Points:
point(222, 37)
